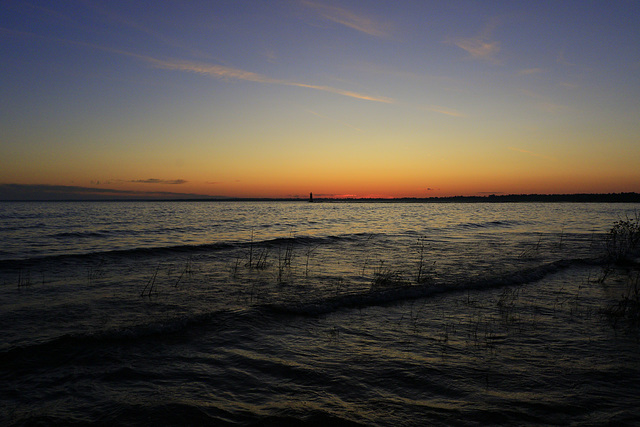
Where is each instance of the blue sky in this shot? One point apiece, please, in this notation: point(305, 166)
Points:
point(279, 98)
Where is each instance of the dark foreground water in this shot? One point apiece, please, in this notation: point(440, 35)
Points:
point(175, 313)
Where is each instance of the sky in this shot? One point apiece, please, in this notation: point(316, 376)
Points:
point(279, 98)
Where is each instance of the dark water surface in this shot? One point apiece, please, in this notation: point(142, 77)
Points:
point(234, 313)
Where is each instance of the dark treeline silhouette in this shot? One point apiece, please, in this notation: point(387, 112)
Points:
point(509, 198)
point(491, 198)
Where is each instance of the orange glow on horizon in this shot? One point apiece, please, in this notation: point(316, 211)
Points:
point(170, 113)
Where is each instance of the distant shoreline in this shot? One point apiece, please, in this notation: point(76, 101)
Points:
point(493, 198)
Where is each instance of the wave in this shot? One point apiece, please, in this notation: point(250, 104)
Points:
point(23, 226)
point(115, 253)
point(182, 248)
point(410, 292)
point(490, 224)
point(57, 350)
point(190, 413)
point(81, 234)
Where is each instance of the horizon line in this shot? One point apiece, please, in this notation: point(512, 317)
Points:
point(631, 197)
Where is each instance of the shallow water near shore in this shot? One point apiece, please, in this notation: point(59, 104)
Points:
point(242, 313)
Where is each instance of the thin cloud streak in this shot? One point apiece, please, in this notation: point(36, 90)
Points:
point(443, 110)
point(344, 92)
point(477, 48)
point(481, 46)
point(224, 72)
point(159, 181)
point(349, 19)
point(211, 70)
point(70, 192)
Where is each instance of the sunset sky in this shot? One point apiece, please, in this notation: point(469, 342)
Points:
point(277, 98)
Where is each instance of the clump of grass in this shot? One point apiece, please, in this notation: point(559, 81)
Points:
point(366, 258)
point(188, 271)
point(623, 239)
point(261, 262)
point(508, 299)
point(426, 270)
point(235, 267)
point(628, 307)
point(509, 307)
point(284, 261)
point(387, 278)
point(622, 244)
point(561, 242)
point(308, 252)
point(531, 251)
point(250, 255)
point(150, 286)
point(24, 279)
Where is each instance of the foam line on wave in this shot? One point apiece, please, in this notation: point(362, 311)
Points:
point(409, 292)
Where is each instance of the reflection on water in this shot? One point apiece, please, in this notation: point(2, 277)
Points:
point(236, 313)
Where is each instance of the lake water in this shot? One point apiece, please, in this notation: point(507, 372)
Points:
point(268, 313)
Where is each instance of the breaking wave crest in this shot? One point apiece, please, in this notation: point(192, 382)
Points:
point(182, 248)
point(490, 224)
point(57, 349)
point(409, 292)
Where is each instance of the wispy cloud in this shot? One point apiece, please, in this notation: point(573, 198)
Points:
point(70, 192)
point(224, 72)
point(349, 19)
point(211, 70)
point(531, 153)
point(530, 71)
point(159, 181)
point(482, 46)
point(478, 48)
point(343, 92)
point(444, 110)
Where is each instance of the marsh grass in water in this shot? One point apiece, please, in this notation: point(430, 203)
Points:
point(623, 239)
point(425, 268)
point(627, 308)
point(361, 315)
point(387, 277)
point(188, 271)
point(150, 288)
